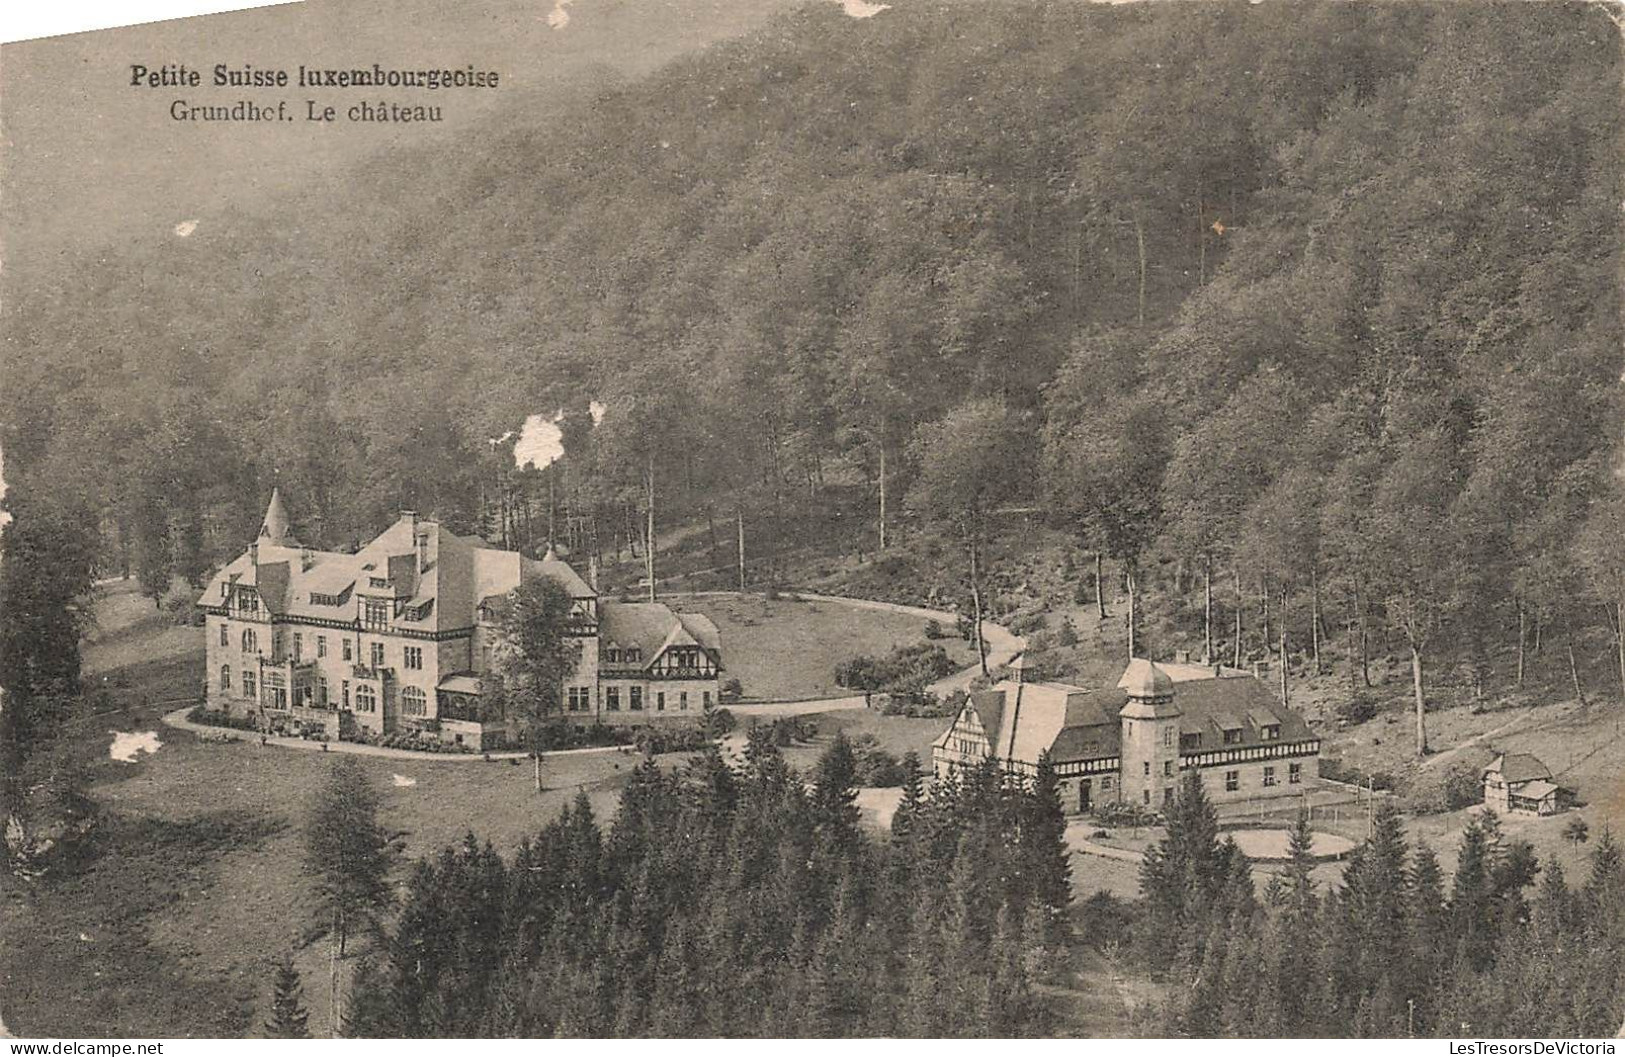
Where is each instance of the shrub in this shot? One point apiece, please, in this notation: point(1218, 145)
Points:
point(1577, 831)
point(1122, 813)
point(179, 605)
point(1105, 921)
point(1358, 709)
point(876, 767)
point(1067, 635)
point(907, 671)
point(655, 740)
point(786, 731)
point(933, 630)
point(1028, 622)
point(732, 690)
point(211, 718)
point(1462, 788)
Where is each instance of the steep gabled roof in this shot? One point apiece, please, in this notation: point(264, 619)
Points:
point(1077, 725)
point(437, 579)
point(989, 708)
point(1515, 767)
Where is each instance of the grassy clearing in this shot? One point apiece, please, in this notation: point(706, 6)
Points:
point(784, 650)
point(196, 888)
point(130, 631)
point(83, 956)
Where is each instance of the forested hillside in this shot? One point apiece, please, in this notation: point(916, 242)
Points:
point(1319, 303)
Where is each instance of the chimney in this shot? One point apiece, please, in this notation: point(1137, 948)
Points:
point(254, 553)
point(423, 553)
point(306, 559)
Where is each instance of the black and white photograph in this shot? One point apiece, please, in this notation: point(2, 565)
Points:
point(923, 519)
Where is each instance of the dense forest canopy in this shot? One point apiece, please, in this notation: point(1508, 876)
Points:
point(1300, 295)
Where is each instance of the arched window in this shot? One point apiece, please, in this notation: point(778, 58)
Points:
point(366, 699)
point(414, 702)
point(225, 677)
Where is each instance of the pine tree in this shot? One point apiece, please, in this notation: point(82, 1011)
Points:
point(1043, 852)
point(347, 852)
point(835, 792)
point(288, 1015)
point(906, 817)
point(1429, 928)
point(1182, 875)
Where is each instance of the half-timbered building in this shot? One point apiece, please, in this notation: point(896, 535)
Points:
point(1131, 743)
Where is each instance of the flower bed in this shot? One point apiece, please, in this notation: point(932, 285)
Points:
point(209, 717)
point(412, 741)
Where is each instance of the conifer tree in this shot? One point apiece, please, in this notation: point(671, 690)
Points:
point(1043, 852)
point(288, 1015)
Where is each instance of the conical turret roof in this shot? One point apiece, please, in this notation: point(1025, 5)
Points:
point(275, 528)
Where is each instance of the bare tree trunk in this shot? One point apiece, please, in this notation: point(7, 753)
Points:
point(1240, 602)
point(1421, 701)
point(1348, 629)
point(976, 606)
point(882, 492)
point(739, 521)
point(1100, 585)
point(1286, 699)
point(1314, 616)
point(1264, 617)
point(1365, 644)
point(1207, 610)
point(1574, 667)
point(649, 542)
point(1133, 601)
point(1523, 622)
point(1619, 642)
point(536, 766)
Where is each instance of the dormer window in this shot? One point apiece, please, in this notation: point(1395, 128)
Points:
point(634, 653)
point(1188, 742)
point(614, 654)
point(1271, 732)
point(1233, 736)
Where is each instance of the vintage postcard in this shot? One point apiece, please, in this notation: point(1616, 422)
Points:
point(815, 518)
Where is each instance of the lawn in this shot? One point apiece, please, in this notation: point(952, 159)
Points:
point(197, 887)
point(786, 650)
point(130, 630)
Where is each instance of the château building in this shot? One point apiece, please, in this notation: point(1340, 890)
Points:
point(1131, 744)
point(402, 635)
